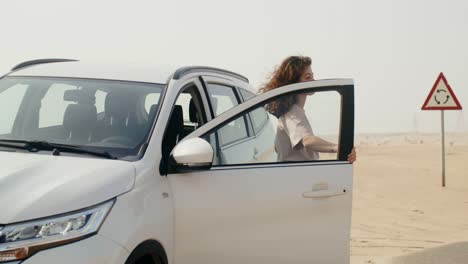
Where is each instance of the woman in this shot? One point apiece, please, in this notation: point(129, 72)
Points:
point(295, 140)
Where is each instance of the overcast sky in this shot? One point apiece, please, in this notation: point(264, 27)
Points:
point(394, 50)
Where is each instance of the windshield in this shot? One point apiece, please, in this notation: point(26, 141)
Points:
point(100, 115)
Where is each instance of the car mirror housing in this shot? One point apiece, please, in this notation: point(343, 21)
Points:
point(193, 154)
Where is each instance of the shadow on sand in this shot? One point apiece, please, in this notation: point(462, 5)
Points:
point(455, 253)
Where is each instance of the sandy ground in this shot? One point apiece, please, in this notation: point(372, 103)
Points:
point(399, 206)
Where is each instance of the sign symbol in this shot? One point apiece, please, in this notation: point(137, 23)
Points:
point(446, 98)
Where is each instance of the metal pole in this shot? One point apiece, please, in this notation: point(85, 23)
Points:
point(443, 148)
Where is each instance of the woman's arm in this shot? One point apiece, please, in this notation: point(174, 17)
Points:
point(314, 143)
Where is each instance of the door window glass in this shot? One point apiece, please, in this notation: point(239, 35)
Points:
point(233, 132)
point(222, 98)
point(290, 133)
point(259, 119)
point(246, 94)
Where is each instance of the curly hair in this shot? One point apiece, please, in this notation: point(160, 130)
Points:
point(288, 72)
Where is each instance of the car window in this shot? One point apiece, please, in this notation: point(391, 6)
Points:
point(246, 94)
point(294, 133)
point(259, 119)
point(232, 132)
point(235, 147)
point(222, 97)
point(10, 101)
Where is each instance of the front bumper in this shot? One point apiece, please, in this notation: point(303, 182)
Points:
point(93, 250)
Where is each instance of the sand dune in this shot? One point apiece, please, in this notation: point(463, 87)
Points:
point(399, 206)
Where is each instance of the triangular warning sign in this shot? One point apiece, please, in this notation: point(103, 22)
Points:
point(441, 97)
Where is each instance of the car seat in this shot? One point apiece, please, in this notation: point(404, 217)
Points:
point(195, 115)
point(119, 121)
point(152, 112)
point(118, 108)
point(79, 121)
point(174, 130)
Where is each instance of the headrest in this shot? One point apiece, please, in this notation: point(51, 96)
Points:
point(152, 111)
point(118, 104)
point(177, 117)
point(79, 117)
point(79, 96)
point(178, 113)
point(193, 112)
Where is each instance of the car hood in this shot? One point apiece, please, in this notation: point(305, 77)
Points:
point(36, 185)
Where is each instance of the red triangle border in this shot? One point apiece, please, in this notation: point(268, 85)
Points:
point(458, 105)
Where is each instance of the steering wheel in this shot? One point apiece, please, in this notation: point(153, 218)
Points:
point(118, 140)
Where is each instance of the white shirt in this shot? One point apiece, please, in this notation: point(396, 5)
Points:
point(292, 128)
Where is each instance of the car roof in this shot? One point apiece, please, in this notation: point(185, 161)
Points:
point(131, 71)
point(98, 70)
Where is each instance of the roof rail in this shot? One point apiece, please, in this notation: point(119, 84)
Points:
point(37, 62)
point(190, 69)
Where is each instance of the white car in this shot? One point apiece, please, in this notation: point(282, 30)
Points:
point(128, 165)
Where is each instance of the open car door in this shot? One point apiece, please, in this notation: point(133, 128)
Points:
point(246, 203)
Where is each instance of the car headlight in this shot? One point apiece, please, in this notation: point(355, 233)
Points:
point(19, 241)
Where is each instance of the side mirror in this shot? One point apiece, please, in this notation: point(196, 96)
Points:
point(193, 153)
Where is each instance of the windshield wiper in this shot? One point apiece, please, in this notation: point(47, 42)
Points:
point(34, 146)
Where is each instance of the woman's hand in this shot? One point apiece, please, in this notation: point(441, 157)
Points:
point(352, 156)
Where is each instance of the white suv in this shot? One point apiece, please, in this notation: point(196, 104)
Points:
point(126, 165)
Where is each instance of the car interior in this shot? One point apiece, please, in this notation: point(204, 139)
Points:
point(120, 122)
point(186, 116)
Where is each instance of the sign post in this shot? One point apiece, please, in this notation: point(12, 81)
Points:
point(441, 97)
point(443, 147)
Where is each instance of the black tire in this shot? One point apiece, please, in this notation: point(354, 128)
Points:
point(148, 252)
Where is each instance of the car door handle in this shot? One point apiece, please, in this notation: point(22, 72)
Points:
point(322, 190)
point(324, 193)
point(255, 154)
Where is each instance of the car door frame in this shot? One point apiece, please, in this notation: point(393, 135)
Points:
point(221, 180)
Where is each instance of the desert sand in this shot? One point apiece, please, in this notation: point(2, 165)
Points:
point(401, 214)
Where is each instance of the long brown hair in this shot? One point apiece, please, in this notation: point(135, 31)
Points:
point(288, 72)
